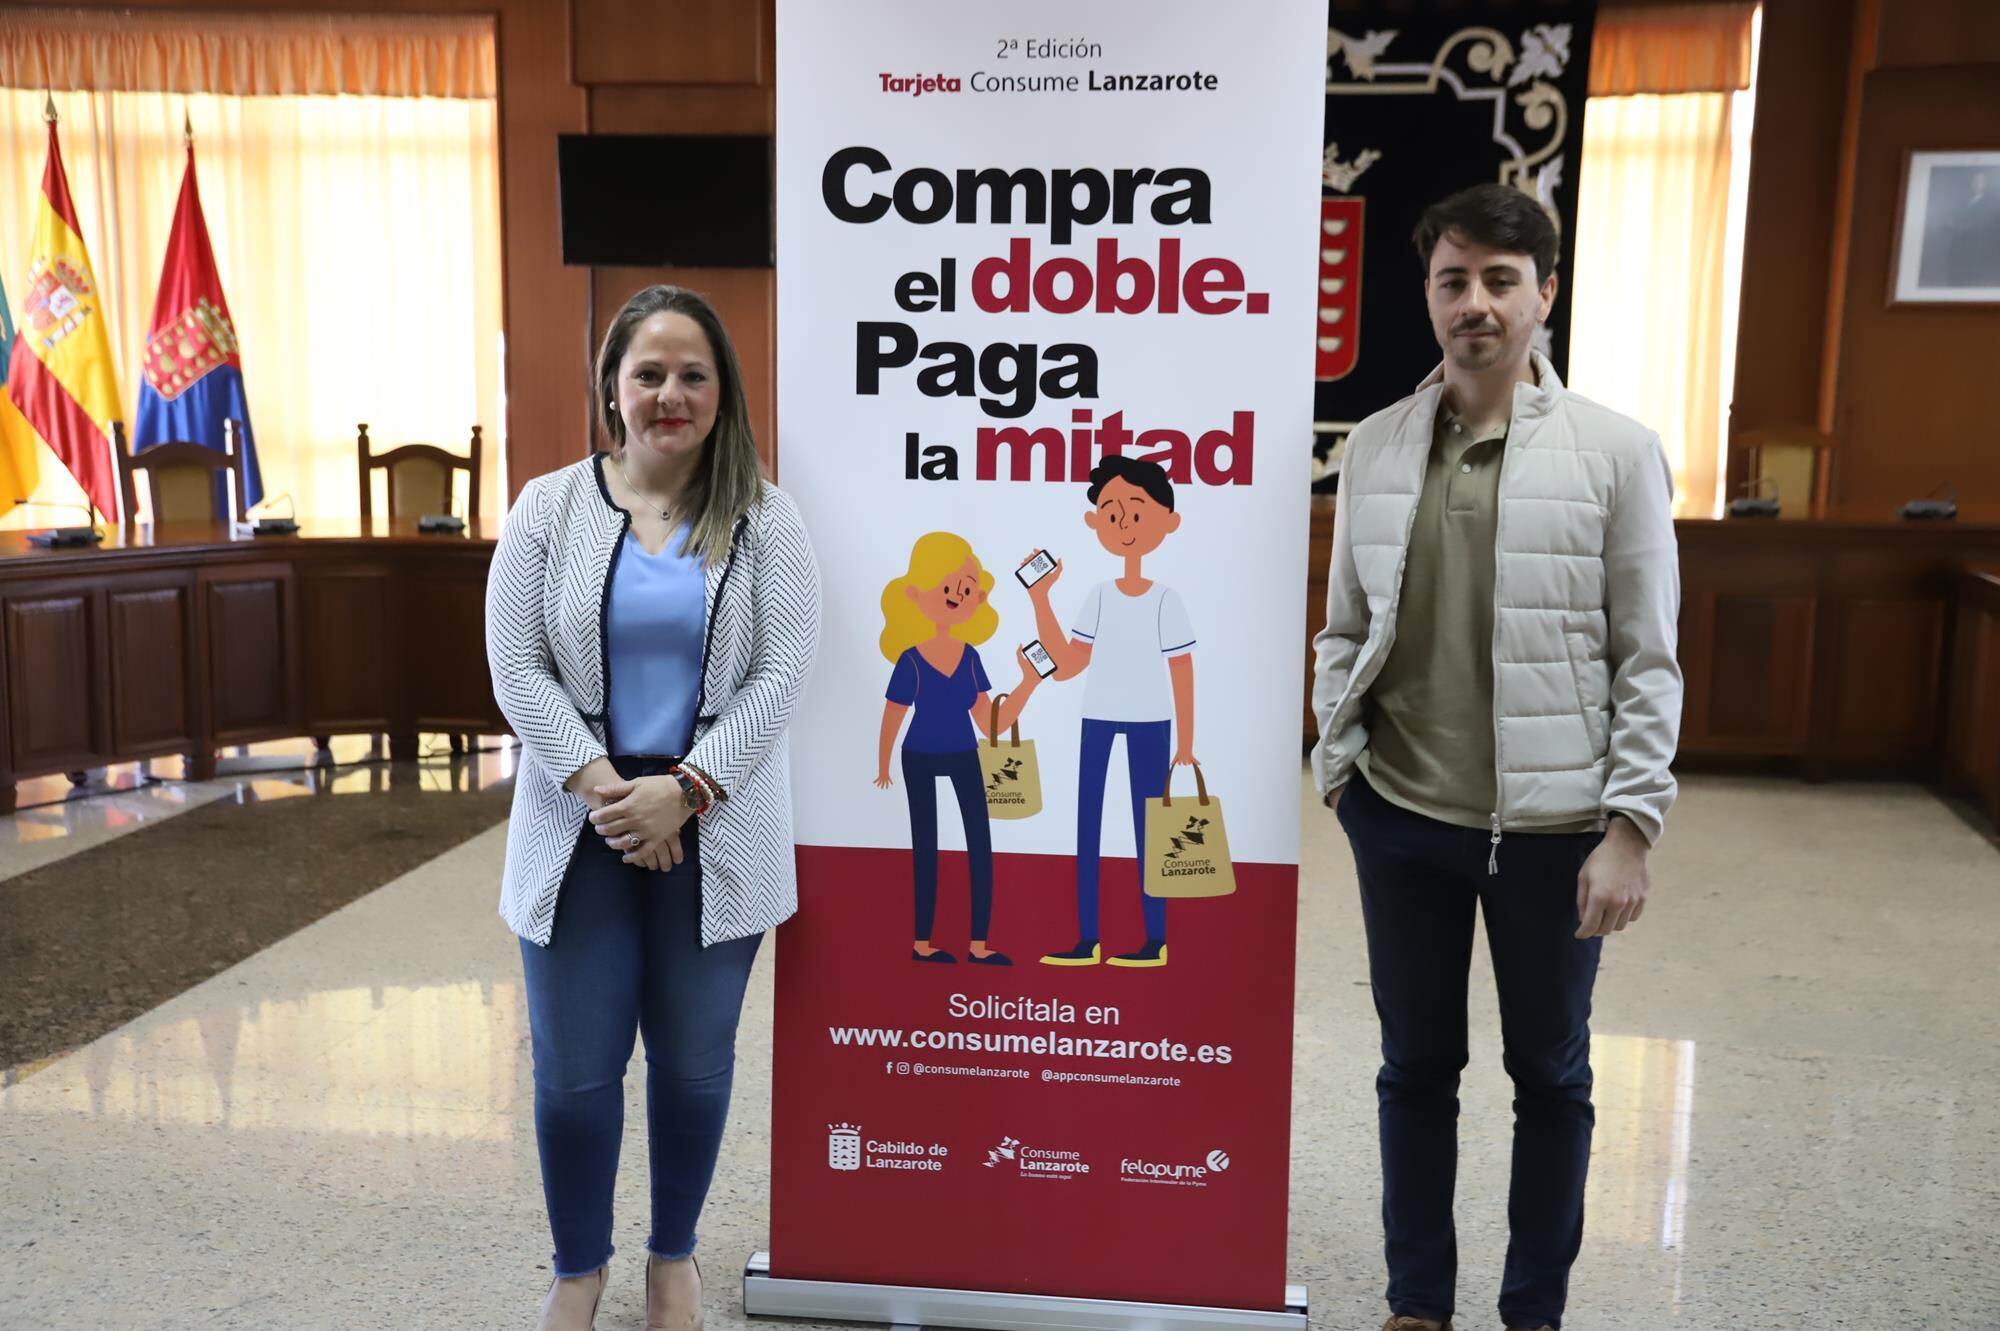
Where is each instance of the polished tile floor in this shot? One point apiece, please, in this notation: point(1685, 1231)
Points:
point(1798, 1100)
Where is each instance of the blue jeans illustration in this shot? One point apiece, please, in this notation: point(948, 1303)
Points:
point(920, 776)
point(1148, 759)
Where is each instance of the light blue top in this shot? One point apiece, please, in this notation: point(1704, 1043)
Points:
point(654, 627)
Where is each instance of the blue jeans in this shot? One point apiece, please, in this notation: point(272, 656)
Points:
point(920, 776)
point(1421, 883)
point(626, 957)
point(1148, 760)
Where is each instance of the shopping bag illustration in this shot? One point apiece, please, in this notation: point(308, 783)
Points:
point(1013, 777)
point(1187, 847)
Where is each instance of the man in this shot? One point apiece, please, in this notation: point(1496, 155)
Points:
point(1134, 637)
point(1498, 704)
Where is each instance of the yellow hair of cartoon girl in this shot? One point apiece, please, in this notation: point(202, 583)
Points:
point(934, 558)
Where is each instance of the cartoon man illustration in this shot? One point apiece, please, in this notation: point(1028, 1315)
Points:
point(1134, 637)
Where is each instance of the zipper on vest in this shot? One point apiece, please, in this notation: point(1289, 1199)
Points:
point(1499, 565)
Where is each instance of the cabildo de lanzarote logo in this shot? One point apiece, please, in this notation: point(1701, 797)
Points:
point(849, 1150)
point(1180, 1175)
point(1043, 1162)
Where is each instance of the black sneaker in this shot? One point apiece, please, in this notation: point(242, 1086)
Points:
point(1085, 953)
point(1153, 954)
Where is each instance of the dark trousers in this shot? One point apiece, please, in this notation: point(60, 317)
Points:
point(968, 784)
point(626, 957)
point(1148, 760)
point(1421, 882)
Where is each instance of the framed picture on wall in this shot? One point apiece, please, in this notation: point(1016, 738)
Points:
point(1948, 230)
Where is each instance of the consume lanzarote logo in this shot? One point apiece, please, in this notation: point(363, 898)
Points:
point(1043, 1162)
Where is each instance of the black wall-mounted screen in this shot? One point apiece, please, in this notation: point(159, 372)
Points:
point(665, 200)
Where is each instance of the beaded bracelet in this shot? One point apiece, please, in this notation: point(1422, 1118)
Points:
point(709, 785)
point(691, 790)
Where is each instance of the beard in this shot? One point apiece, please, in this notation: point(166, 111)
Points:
point(1484, 354)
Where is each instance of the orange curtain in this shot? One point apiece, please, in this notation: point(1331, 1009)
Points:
point(1659, 229)
point(262, 55)
point(1670, 49)
point(357, 235)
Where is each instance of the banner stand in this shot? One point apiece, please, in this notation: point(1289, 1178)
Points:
point(909, 1306)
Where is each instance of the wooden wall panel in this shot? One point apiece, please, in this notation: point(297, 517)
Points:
point(670, 41)
point(1788, 232)
point(1915, 382)
point(1919, 33)
point(151, 662)
point(712, 109)
point(249, 655)
point(52, 637)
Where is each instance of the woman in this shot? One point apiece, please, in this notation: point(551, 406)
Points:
point(933, 617)
point(651, 615)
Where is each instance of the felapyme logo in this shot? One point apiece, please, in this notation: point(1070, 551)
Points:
point(1037, 1161)
point(1194, 834)
point(1180, 1175)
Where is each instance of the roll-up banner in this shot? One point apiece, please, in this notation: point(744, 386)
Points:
point(1046, 310)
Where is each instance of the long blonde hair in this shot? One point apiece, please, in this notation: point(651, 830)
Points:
point(934, 558)
point(731, 475)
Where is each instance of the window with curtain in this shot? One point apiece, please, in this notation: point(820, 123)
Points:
point(1659, 233)
point(349, 173)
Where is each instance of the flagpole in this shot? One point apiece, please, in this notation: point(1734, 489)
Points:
point(49, 110)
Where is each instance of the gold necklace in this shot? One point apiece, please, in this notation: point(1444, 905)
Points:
point(664, 514)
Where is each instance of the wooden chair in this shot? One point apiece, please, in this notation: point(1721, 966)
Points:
point(1795, 458)
point(421, 480)
point(180, 477)
point(420, 477)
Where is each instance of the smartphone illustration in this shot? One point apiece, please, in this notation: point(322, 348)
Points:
point(1038, 657)
point(1036, 568)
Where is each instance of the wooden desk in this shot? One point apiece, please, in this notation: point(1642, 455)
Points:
point(182, 639)
point(1820, 646)
point(1972, 744)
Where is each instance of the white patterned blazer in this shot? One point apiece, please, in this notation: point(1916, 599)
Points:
point(546, 601)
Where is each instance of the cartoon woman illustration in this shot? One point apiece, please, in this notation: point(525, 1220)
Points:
point(933, 618)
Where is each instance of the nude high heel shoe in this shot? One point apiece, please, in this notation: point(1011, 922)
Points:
point(559, 1314)
point(683, 1319)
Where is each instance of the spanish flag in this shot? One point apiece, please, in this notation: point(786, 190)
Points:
point(20, 471)
point(60, 374)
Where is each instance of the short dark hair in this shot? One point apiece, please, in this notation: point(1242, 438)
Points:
point(1498, 216)
point(1148, 476)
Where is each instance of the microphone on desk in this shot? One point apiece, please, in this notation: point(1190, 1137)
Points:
point(60, 538)
point(1931, 508)
point(1756, 506)
point(440, 524)
point(281, 526)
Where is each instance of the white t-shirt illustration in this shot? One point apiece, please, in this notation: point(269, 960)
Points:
point(1130, 638)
